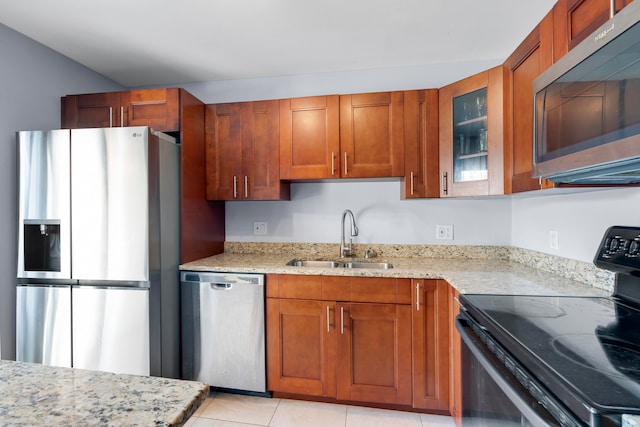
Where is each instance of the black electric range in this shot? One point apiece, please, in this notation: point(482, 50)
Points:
point(582, 351)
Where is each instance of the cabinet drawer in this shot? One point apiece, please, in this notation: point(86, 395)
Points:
point(339, 288)
point(380, 290)
point(300, 287)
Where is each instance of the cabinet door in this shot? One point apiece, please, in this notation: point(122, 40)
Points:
point(260, 178)
point(301, 347)
point(95, 110)
point(372, 135)
point(455, 380)
point(526, 63)
point(156, 108)
point(421, 165)
point(223, 123)
point(430, 344)
point(310, 137)
point(374, 353)
point(576, 19)
point(471, 135)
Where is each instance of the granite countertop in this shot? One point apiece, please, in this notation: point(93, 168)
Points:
point(468, 276)
point(34, 394)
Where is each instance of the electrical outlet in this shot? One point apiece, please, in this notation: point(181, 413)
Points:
point(260, 228)
point(553, 239)
point(444, 231)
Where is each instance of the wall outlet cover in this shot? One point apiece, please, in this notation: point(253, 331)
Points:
point(260, 228)
point(444, 231)
point(553, 240)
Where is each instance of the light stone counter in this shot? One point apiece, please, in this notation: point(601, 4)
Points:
point(479, 271)
point(33, 394)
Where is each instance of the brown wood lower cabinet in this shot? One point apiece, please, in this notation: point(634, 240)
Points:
point(431, 344)
point(344, 338)
point(455, 380)
point(301, 348)
point(357, 339)
point(374, 353)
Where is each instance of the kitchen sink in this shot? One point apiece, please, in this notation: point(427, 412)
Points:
point(366, 264)
point(314, 263)
point(337, 264)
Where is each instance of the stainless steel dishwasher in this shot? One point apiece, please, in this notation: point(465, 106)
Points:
point(223, 330)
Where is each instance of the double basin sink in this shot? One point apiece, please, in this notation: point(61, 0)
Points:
point(339, 264)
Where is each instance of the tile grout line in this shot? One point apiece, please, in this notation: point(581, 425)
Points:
point(274, 412)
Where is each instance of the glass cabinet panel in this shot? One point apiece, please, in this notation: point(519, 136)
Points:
point(470, 136)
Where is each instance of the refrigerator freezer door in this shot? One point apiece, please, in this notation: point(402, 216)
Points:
point(110, 204)
point(111, 329)
point(44, 212)
point(43, 325)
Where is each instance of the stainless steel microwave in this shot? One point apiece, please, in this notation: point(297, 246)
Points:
point(587, 108)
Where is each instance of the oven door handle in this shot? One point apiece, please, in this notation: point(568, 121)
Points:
point(473, 343)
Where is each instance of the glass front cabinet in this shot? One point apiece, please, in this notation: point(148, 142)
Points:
point(471, 134)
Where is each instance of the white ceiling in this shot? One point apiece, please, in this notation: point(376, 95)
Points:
point(163, 42)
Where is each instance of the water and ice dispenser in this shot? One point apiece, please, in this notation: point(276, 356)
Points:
point(42, 245)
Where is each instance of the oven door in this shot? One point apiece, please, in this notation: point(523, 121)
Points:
point(494, 395)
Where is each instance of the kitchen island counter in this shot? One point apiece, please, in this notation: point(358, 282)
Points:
point(468, 276)
point(34, 394)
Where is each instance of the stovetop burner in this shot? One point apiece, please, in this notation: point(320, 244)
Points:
point(531, 307)
point(617, 358)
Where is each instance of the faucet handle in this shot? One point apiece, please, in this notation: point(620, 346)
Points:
point(370, 253)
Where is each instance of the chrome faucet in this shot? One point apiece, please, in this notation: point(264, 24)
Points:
point(347, 250)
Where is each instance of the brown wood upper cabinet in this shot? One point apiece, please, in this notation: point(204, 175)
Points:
point(533, 56)
point(346, 338)
point(471, 135)
point(574, 20)
point(346, 136)
point(242, 152)
point(421, 177)
point(156, 108)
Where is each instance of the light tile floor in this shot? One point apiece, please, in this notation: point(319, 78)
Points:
point(232, 410)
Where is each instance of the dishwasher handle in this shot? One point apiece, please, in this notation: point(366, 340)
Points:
point(218, 286)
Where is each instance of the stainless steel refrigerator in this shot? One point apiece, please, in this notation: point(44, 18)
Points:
point(98, 250)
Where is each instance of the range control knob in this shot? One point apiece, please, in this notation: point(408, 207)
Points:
point(614, 244)
point(634, 247)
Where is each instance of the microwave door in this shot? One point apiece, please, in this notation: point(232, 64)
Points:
point(110, 204)
point(44, 211)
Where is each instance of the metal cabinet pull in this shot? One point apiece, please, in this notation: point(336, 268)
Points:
point(121, 117)
point(612, 8)
point(445, 187)
point(412, 183)
point(346, 166)
point(110, 117)
point(328, 321)
point(246, 187)
point(235, 187)
point(333, 163)
point(342, 320)
point(418, 296)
